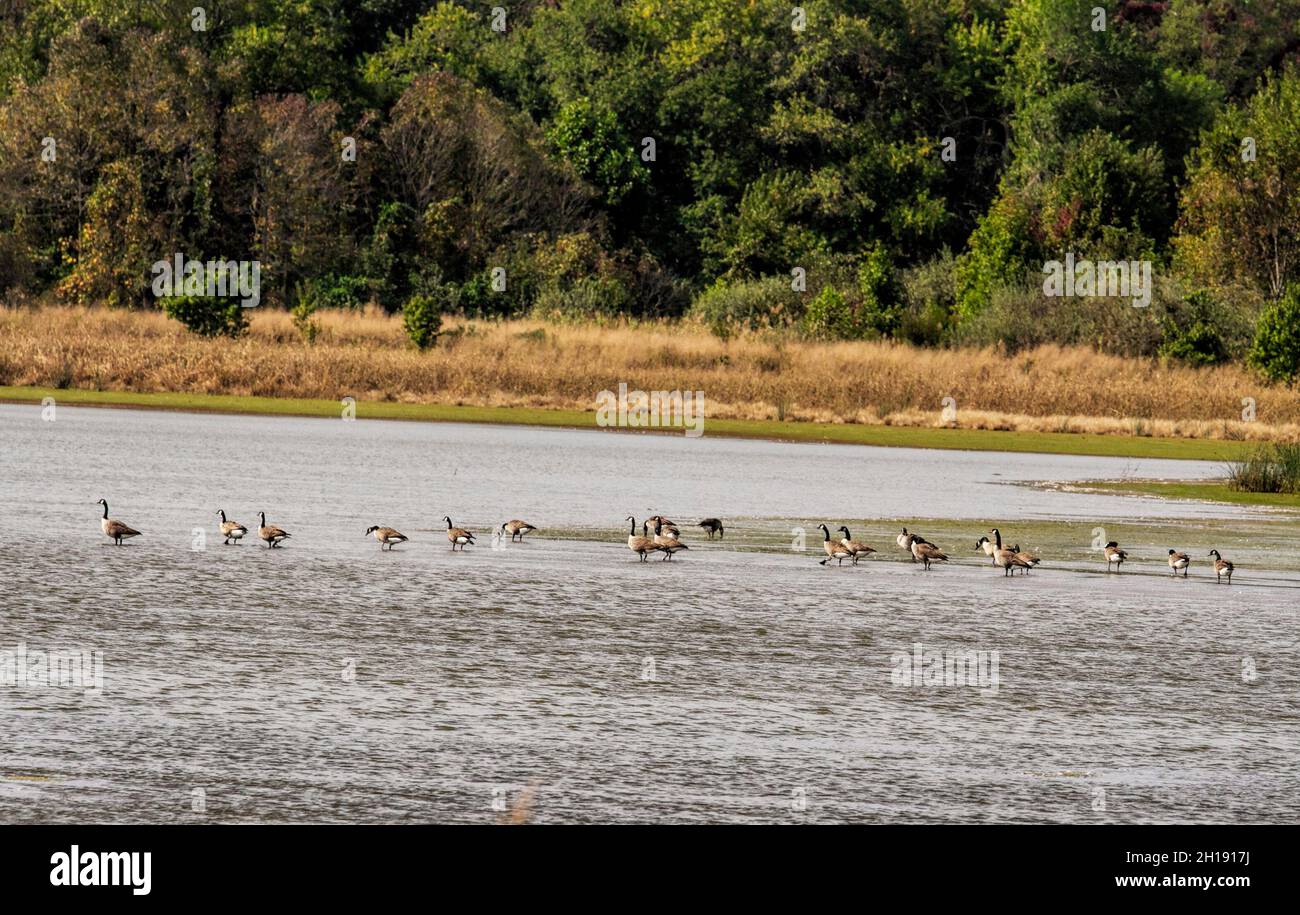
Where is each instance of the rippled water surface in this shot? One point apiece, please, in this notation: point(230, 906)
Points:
point(564, 681)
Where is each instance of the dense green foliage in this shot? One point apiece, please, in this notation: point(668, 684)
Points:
point(659, 157)
point(1276, 352)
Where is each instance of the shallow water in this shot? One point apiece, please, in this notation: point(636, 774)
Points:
point(742, 682)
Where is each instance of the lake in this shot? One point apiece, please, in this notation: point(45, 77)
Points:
point(562, 681)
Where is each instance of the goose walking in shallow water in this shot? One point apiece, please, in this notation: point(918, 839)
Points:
point(856, 547)
point(926, 552)
point(642, 546)
point(269, 532)
point(457, 535)
point(231, 530)
point(1116, 555)
point(115, 529)
point(516, 529)
point(1029, 558)
point(1006, 559)
point(834, 548)
point(1222, 568)
point(1178, 561)
point(669, 545)
point(386, 536)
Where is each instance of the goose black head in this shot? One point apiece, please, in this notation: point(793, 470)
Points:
point(371, 529)
point(1113, 544)
point(1171, 552)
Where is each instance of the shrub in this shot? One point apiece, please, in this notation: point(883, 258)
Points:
point(587, 297)
point(1019, 317)
point(881, 309)
point(1276, 351)
point(1199, 344)
point(301, 314)
point(747, 305)
point(830, 316)
point(422, 317)
point(339, 291)
point(1270, 468)
point(208, 316)
point(928, 294)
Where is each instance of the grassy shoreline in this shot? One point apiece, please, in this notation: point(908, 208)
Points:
point(1194, 490)
point(836, 433)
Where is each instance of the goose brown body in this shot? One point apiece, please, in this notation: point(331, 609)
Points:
point(712, 526)
point(115, 529)
point(642, 546)
point(670, 545)
point(925, 552)
point(457, 536)
point(1006, 559)
point(856, 547)
point(269, 532)
point(231, 530)
point(517, 529)
point(1222, 568)
point(1114, 555)
point(668, 527)
point(387, 536)
point(1178, 561)
point(834, 548)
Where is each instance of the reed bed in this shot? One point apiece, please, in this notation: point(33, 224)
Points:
point(1272, 467)
point(525, 363)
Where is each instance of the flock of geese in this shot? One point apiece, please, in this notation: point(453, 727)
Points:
point(666, 539)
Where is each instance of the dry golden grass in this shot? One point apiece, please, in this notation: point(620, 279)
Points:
point(532, 364)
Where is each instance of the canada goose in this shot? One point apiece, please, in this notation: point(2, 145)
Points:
point(386, 536)
point(926, 552)
point(642, 546)
point(270, 533)
point(904, 541)
point(669, 528)
point(1221, 567)
point(517, 528)
point(1030, 558)
point(1116, 555)
point(986, 545)
point(661, 536)
point(231, 530)
point(1178, 561)
point(712, 526)
point(669, 545)
point(856, 547)
point(1003, 558)
point(115, 529)
point(834, 549)
point(457, 535)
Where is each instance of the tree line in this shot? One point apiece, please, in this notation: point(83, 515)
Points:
point(884, 168)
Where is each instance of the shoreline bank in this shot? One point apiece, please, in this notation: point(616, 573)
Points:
point(959, 439)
